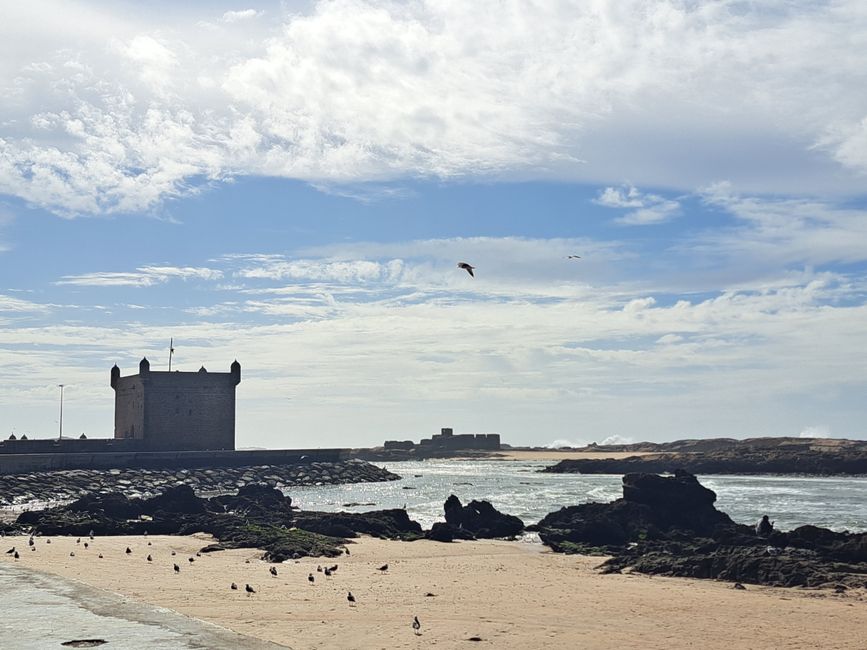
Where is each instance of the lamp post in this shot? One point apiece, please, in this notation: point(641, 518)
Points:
point(60, 436)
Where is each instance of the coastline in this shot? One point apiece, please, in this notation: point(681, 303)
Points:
point(509, 594)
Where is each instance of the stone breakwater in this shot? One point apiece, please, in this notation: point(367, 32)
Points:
point(66, 485)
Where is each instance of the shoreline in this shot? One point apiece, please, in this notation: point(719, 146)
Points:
point(509, 594)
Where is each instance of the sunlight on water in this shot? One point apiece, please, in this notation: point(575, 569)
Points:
point(519, 489)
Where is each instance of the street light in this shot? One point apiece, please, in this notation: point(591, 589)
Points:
point(60, 437)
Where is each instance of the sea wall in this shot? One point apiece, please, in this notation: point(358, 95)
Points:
point(21, 463)
point(65, 485)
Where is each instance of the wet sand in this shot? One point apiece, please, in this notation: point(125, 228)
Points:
point(508, 594)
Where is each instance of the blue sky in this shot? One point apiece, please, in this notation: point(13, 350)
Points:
point(293, 184)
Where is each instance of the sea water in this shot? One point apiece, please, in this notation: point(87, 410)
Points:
point(518, 488)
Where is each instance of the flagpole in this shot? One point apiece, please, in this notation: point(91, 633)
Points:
point(171, 352)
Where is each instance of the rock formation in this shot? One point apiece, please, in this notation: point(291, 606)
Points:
point(669, 526)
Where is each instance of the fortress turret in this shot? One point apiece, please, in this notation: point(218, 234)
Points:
point(144, 366)
point(235, 369)
point(115, 375)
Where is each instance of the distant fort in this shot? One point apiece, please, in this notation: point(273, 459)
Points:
point(446, 440)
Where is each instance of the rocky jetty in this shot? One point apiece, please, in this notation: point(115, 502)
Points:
point(817, 457)
point(257, 516)
point(65, 485)
point(669, 526)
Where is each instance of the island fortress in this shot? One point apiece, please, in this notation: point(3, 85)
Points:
point(166, 410)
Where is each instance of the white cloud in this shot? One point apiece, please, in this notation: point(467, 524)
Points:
point(244, 14)
point(648, 208)
point(145, 276)
point(668, 94)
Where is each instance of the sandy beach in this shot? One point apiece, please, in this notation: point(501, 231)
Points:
point(557, 455)
point(508, 594)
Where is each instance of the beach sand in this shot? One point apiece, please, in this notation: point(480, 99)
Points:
point(509, 594)
point(557, 455)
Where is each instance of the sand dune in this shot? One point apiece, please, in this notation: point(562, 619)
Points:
point(509, 594)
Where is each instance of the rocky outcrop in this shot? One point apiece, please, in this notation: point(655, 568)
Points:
point(257, 516)
point(480, 519)
point(66, 485)
point(761, 456)
point(669, 526)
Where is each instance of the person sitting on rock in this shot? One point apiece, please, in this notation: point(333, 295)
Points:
point(765, 527)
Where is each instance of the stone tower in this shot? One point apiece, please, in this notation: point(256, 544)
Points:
point(176, 411)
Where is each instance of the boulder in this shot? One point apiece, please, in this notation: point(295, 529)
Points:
point(481, 519)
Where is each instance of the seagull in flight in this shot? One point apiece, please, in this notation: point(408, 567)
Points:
point(467, 267)
point(573, 257)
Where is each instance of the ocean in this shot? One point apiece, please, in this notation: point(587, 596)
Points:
point(517, 488)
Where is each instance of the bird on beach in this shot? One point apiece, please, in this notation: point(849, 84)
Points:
point(327, 572)
point(249, 589)
point(10, 551)
point(149, 544)
point(310, 578)
point(351, 599)
point(128, 550)
point(150, 559)
point(198, 554)
point(234, 587)
point(273, 571)
point(47, 541)
point(384, 567)
point(15, 555)
point(174, 553)
point(467, 267)
point(78, 541)
point(416, 626)
point(333, 568)
point(72, 554)
point(177, 568)
point(318, 568)
point(90, 534)
point(191, 560)
point(30, 541)
point(85, 545)
point(347, 551)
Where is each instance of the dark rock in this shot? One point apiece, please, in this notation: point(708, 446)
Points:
point(481, 519)
point(669, 526)
point(387, 524)
point(444, 532)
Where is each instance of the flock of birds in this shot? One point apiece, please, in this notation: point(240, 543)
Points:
point(328, 571)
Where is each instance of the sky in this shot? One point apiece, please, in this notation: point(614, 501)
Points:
point(293, 184)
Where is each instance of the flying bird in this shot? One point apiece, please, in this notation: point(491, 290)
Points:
point(573, 257)
point(467, 267)
point(416, 625)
